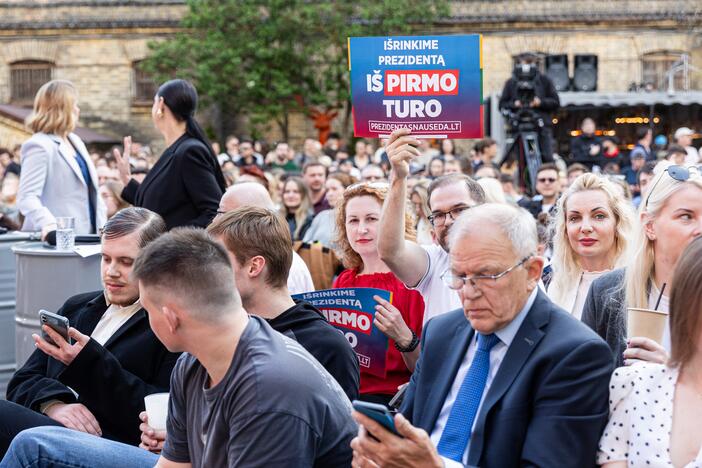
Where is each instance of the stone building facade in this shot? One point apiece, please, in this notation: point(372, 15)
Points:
point(96, 44)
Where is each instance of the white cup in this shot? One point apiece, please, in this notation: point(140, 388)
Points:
point(157, 410)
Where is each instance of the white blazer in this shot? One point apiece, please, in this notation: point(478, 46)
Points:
point(52, 184)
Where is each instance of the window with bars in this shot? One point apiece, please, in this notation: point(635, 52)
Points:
point(655, 67)
point(26, 78)
point(144, 86)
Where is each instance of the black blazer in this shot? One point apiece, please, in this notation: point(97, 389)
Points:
point(184, 186)
point(111, 381)
point(548, 402)
point(605, 312)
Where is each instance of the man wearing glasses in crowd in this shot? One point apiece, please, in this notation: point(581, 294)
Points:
point(420, 267)
point(508, 379)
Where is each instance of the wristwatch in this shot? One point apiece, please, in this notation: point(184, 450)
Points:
point(411, 347)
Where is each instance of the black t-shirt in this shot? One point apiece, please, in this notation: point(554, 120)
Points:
point(275, 407)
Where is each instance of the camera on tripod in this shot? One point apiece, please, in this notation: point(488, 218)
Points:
point(524, 118)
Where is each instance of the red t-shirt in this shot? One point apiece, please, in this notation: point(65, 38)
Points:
point(410, 304)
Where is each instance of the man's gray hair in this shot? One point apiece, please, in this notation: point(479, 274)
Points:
point(517, 224)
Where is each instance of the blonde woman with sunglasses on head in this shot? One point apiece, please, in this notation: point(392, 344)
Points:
point(670, 218)
point(592, 229)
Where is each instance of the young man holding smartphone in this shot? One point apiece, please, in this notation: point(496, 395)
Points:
point(96, 384)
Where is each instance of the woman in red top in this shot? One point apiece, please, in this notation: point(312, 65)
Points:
point(357, 220)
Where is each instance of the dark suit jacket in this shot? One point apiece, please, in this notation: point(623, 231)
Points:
point(184, 186)
point(605, 312)
point(548, 403)
point(111, 381)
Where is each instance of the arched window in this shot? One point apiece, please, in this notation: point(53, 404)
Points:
point(26, 77)
point(655, 66)
point(144, 86)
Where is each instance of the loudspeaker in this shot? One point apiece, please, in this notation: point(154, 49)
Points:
point(585, 75)
point(557, 70)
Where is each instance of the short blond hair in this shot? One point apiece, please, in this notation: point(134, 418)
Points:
point(53, 108)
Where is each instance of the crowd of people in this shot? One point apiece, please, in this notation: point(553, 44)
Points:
point(508, 337)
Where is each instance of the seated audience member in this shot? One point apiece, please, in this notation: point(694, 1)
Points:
point(314, 174)
point(548, 188)
point(574, 171)
point(110, 192)
point(643, 179)
point(485, 153)
point(593, 226)
point(373, 173)
point(509, 188)
point(420, 267)
point(435, 168)
point(241, 395)
point(670, 218)
point(259, 246)
point(357, 220)
point(247, 155)
point(493, 190)
point(655, 409)
point(683, 137)
point(452, 166)
point(98, 383)
point(587, 147)
point(254, 194)
point(676, 154)
point(508, 380)
point(487, 171)
point(322, 228)
point(419, 197)
point(296, 207)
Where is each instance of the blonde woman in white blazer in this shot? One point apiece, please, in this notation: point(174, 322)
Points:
point(58, 177)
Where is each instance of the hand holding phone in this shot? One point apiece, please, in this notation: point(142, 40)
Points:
point(377, 413)
point(56, 322)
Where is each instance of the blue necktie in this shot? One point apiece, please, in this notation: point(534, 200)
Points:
point(456, 435)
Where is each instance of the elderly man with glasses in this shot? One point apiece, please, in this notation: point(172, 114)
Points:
point(420, 267)
point(510, 379)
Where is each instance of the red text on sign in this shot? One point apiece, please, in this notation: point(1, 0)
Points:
point(421, 82)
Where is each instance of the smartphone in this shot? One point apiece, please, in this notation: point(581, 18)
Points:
point(58, 323)
point(396, 400)
point(377, 413)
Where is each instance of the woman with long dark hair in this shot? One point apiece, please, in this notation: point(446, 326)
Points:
point(186, 183)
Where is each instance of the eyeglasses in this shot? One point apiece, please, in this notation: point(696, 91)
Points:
point(457, 282)
point(679, 173)
point(438, 218)
point(545, 180)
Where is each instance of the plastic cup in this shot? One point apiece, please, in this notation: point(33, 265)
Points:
point(65, 233)
point(648, 323)
point(157, 410)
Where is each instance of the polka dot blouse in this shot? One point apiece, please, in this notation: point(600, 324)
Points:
point(641, 417)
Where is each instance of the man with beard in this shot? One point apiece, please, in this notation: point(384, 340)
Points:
point(421, 267)
point(98, 383)
point(314, 174)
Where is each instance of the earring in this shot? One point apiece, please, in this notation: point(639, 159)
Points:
point(159, 113)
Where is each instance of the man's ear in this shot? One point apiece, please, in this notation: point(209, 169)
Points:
point(534, 266)
point(172, 317)
point(255, 266)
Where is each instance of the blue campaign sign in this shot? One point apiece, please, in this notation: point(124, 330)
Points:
point(351, 311)
point(430, 84)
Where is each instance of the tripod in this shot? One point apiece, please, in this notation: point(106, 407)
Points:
point(526, 145)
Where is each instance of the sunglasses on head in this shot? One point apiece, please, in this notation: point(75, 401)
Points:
point(679, 173)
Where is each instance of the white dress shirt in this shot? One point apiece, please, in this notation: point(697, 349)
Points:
point(114, 317)
point(497, 354)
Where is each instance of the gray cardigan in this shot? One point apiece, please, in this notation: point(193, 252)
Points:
point(605, 312)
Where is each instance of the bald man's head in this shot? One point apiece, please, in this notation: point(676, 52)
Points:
point(245, 194)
